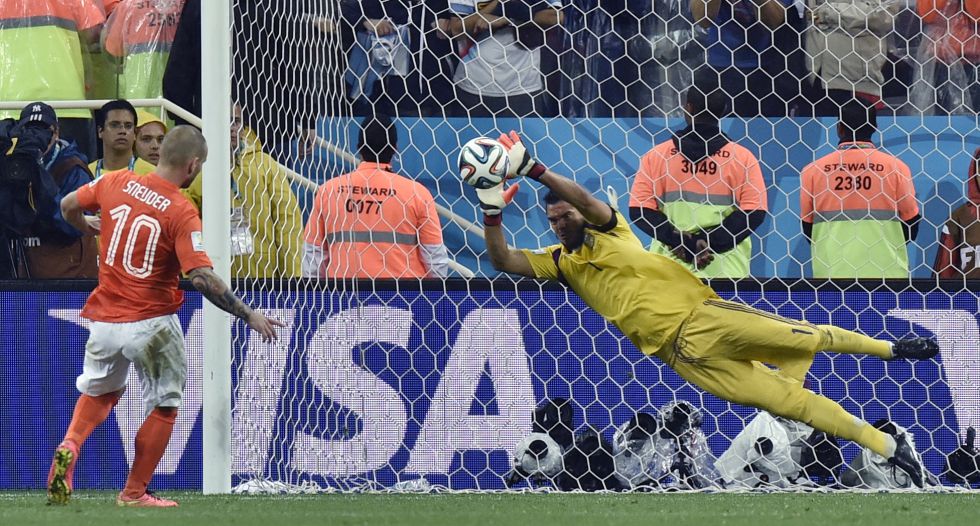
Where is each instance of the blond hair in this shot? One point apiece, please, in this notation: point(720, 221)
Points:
point(182, 145)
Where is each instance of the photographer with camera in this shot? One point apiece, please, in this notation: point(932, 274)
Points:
point(37, 169)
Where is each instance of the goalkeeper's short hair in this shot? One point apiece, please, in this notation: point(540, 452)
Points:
point(551, 198)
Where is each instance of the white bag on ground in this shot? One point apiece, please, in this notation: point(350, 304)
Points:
point(766, 452)
point(870, 470)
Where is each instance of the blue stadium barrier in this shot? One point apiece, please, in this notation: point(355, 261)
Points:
point(605, 152)
point(392, 384)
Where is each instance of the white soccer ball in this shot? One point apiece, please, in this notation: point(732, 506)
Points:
point(483, 163)
point(537, 454)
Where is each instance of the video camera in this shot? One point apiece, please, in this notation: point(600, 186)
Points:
point(33, 138)
point(23, 179)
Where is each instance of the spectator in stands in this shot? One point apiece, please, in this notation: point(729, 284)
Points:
point(739, 34)
point(675, 54)
point(40, 170)
point(500, 62)
point(699, 195)
point(959, 244)
point(182, 75)
point(116, 128)
point(434, 77)
point(41, 44)
point(630, 61)
point(858, 204)
point(282, 61)
point(266, 223)
point(372, 222)
point(846, 50)
point(948, 57)
point(381, 57)
point(150, 132)
point(139, 34)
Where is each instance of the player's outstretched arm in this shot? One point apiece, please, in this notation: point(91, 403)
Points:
point(522, 164)
point(217, 292)
point(594, 210)
point(502, 257)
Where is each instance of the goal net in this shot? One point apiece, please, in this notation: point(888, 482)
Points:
point(491, 382)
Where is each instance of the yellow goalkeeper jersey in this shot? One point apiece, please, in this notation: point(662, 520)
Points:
point(645, 295)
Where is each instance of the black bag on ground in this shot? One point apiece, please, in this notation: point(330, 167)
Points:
point(963, 465)
point(821, 458)
point(556, 417)
point(589, 465)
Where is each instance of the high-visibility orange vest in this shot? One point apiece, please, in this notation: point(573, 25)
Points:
point(141, 34)
point(371, 223)
point(699, 196)
point(856, 198)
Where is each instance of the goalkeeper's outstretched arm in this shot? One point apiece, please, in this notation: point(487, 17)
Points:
point(522, 164)
point(595, 211)
point(504, 258)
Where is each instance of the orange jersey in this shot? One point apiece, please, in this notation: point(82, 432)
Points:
point(150, 234)
point(371, 223)
point(109, 6)
point(857, 182)
point(936, 11)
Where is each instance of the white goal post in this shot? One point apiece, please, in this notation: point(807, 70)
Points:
point(216, 71)
point(443, 384)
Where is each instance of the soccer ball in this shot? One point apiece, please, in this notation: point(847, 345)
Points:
point(483, 163)
point(537, 454)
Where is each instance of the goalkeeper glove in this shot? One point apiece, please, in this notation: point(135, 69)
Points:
point(521, 162)
point(493, 200)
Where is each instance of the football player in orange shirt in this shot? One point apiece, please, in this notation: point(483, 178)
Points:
point(151, 235)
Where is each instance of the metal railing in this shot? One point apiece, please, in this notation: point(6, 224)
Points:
point(293, 175)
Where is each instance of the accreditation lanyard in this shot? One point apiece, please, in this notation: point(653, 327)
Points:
point(856, 146)
point(242, 242)
point(99, 166)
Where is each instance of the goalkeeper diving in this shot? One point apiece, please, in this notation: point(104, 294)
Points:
point(723, 347)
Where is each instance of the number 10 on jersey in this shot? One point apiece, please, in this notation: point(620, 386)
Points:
point(121, 221)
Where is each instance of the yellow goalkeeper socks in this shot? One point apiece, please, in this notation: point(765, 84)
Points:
point(849, 342)
point(876, 440)
point(826, 415)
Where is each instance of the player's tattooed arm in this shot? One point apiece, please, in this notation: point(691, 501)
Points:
point(217, 292)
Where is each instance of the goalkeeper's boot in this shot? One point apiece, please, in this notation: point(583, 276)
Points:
point(61, 473)
point(915, 348)
point(147, 500)
point(907, 459)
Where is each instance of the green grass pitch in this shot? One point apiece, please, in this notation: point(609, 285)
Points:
point(784, 509)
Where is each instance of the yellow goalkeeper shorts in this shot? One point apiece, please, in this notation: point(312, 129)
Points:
point(723, 345)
